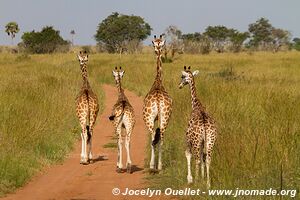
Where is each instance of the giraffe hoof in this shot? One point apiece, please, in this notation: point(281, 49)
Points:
point(91, 161)
point(129, 169)
point(84, 162)
point(119, 170)
point(153, 171)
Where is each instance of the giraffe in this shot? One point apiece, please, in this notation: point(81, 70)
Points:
point(87, 108)
point(157, 106)
point(122, 116)
point(201, 132)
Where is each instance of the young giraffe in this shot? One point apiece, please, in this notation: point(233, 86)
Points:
point(201, 133)
point(87, 108)
point(122, 116)
point(157, 106)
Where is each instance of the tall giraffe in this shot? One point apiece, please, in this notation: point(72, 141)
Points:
point(122, 116)
point(157, 106)
point(201, 132)
point(87, 108)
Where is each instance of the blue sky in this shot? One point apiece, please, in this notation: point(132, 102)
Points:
point(188, 15)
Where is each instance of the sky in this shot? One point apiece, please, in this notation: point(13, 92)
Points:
point(188, 15)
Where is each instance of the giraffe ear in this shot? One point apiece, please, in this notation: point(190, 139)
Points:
point(195, 73)
point(163, 43)
point(122, 73)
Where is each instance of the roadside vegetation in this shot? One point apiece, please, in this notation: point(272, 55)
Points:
point(38, 122)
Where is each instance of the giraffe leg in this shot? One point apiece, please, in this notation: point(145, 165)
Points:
point(93, 117)
point(90, 147)
point(152, 161)
point(159, 155)
point(197, 163)
point(84, 159)
point(119, 163)
point(209, 147)
point(160, 148)
point(163, 123)
point(150, 112)
point(150, 126)
point(128, 126)
point(82, 148)
point(188, 156)
point(127, 146)
point(202, 159)
point(207, 162)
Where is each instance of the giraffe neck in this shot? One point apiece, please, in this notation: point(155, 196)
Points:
point(158, 78)
point(120, 89)
point(84, 75)
point(195, 101)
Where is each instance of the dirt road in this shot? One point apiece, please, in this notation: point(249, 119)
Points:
point(71, 180)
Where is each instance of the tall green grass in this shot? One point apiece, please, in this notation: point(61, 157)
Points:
point(255, 100)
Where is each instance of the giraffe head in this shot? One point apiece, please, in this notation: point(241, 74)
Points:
point(118, 74)
point(83, 57)
point(187, 76)
point(158, 44)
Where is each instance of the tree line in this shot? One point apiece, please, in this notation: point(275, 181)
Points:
point(120, 33)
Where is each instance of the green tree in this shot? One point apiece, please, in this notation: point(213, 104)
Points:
point(218, 35)
point(192, 36)
point(196, 43)
point(280, 38)
point(12, 28)
point(261, 33)
point(237, 39)
point(46, 41)
point(117, 30)
point(296, 44)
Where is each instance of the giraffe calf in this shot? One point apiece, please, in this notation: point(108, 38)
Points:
point(122, 117)
point(201, 132)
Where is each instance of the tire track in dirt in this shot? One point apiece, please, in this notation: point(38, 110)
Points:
point(71, 180)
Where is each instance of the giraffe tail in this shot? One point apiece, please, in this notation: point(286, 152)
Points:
point(88, 133)
point(156, 137)
point(113, 116)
